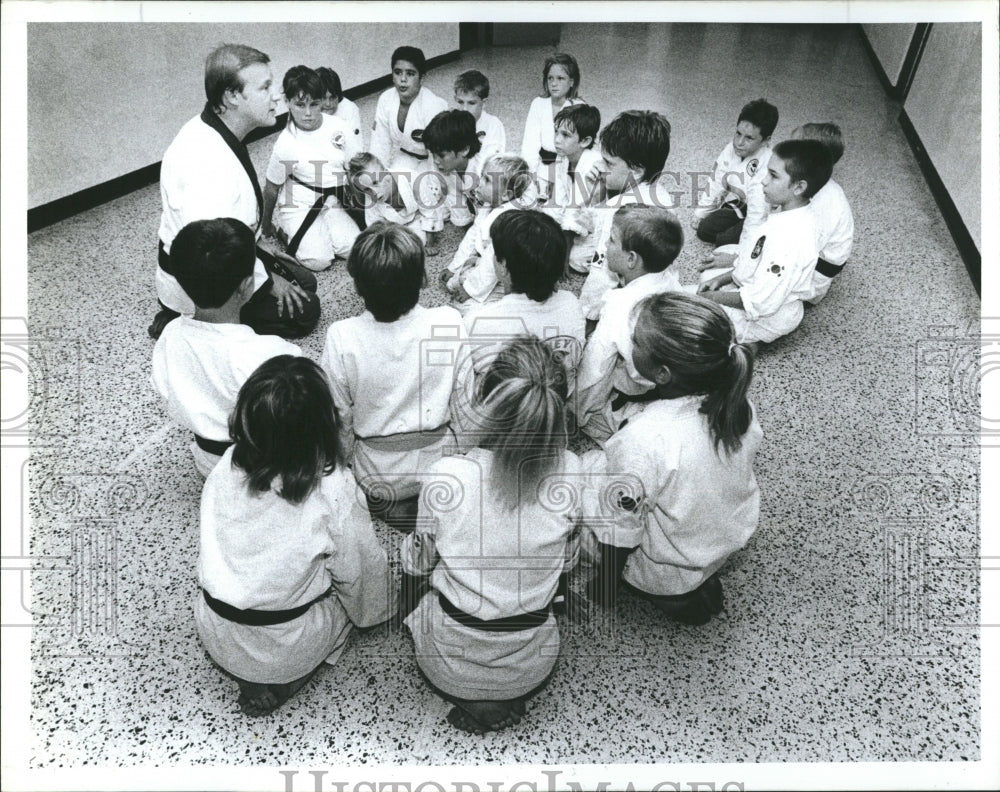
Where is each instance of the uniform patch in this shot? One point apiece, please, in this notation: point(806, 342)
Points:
point(776, 269)
point(752, 166)
point(758, 247)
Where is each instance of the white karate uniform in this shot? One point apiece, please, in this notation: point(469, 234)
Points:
point(539, 132)
point(201, 179)
point(568, 203)
point(411, 215)
point(390, 144)
point(490, 562)
point(607, 359)
point(738, 179)
point(198, 370)
point(492, 136)
point(834, 233)
point(452, 193)
point(259, 551)
point(699, 505)
point(349, 113)
point(480, 279)
point(775, 277)
point(394, 378)
point(317, 159)
point(600, 280)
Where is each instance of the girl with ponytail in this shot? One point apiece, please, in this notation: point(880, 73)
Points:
point(693, 450)
point(496, 531)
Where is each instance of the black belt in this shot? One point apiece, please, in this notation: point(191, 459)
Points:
point(824, 267)
point(217, 447)
point(548, 157)
point(314, 211)
point(522, 621)
point(164, 259)
point(621, 399)
point(415, 156)
point(259, 618)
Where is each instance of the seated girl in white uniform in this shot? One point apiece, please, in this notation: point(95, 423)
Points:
point(288, 560)
point(307, 176)
point(495, 535)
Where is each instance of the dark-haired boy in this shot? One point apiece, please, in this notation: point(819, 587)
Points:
point(530, 251)
point(392, 371)
point(775, 276)
point(200, 362)
point(454, 145)
point(643, 243)
point(735, 196)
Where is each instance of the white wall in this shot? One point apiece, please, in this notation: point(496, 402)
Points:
point(106, 99)
point(944, 105)
point(890, 43)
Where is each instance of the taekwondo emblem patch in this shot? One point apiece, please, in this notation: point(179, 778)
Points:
point(776, 269)
point(752, 166)
point(758, 247)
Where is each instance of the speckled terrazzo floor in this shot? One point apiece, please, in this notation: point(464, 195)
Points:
point(851, 628)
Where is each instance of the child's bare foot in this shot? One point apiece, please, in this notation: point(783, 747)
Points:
point(256, 700)
point(479, 717)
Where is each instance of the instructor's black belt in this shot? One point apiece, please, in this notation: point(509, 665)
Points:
point(259, 618)
point(522, 621)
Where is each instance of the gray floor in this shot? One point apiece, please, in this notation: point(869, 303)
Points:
point(851, 628)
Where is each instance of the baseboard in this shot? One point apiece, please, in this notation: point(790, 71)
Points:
point(910, 62)
point(62, 208)
point(953, 219)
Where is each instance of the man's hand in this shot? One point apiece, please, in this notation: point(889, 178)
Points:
point(288, 295)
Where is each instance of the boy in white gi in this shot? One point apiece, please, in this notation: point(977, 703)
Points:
point(402, 114)
point(336, 104)
point(776, 276)
point(472, 89)
point(834, 220)
point(207, 173)
point(455, 147)
point(634, 151)
point(392, 371)
point(576, 184)
point(529, 251)
point(308, 173)
point(735, 193)
point(504, 184)
point(201, 361)
point(643, 243)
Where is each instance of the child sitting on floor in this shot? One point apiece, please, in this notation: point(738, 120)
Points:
point(643, 243)
point(484, 634)
point(392, 370)
point(834, 220)
point(576, 180)
point(309, 161)
point(201, 361)
point(336, 104)
point(288, 562)
point(763, 294)
point(471, 92)
point(735, 197)
point(454, 145)
point(386, 196)
point(529, 250)
point(505, 184)
point(693, 450)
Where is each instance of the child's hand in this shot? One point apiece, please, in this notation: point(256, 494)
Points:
point(716, 261)
point(461, 295)
point(695, 222)
point(716, 283)
point(288, 295)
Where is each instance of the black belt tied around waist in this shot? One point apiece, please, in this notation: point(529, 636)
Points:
point(259, 618)
point(322, 194)
point(522, 621)
point(620, 399)
point(824, 267)
point(548, 157)
point(217, 447)
point(415, 156)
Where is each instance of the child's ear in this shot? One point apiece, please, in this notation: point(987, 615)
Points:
point(632, 258)
point(464, 152)
point(587, 142)
point(800, 187)
point(662, 375)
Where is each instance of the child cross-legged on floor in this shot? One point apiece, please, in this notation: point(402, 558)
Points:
point(495, 535)
point(693, 450)
point(288, 560)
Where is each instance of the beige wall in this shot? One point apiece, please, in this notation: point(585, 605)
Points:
point(944, 105)
point(106, 99)
point(890, 43)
